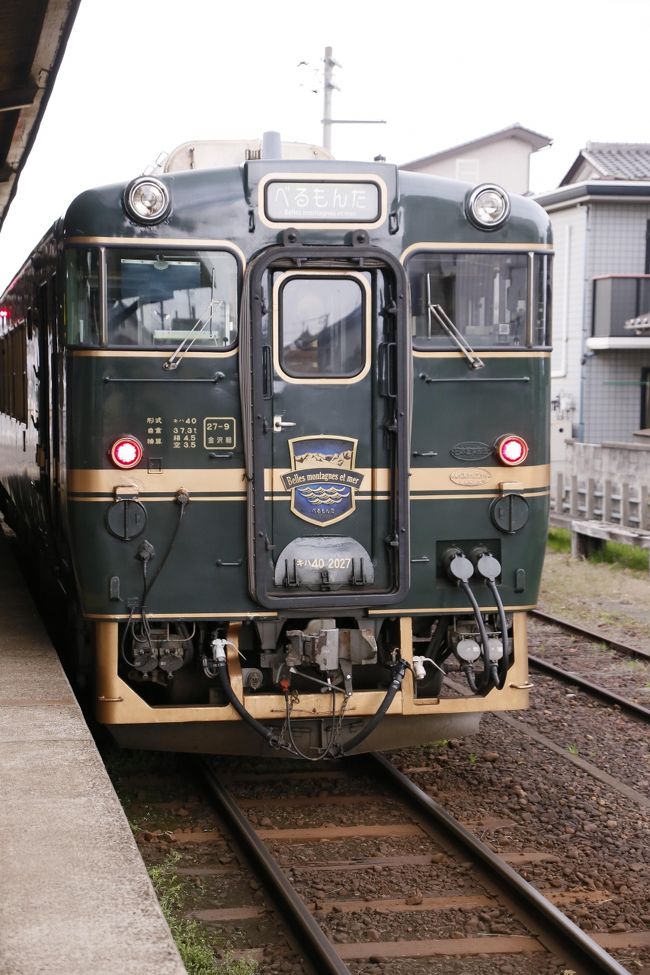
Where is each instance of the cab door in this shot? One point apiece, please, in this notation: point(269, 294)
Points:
point(329, 513)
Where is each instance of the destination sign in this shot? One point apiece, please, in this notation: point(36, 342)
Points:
point(327, 202)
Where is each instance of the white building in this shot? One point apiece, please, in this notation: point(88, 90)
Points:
point(502, 157)
point(601, 292)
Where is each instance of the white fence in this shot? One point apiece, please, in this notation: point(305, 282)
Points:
point(607, 482)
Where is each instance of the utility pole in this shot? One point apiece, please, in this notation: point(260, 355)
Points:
point(328, 87)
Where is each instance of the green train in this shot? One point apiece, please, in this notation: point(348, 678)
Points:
point(278, 430)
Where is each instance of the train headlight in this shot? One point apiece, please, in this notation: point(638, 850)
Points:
point(147, 200)
point(488, 206)
point(511, 449)
point(126, 452)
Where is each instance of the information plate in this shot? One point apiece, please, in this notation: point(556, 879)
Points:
point(219, 433)
point(292, 201)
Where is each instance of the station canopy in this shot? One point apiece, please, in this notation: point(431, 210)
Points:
point(33, 36)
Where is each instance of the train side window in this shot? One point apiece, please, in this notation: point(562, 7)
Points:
point(19, 364)
point(160, 298)
point(542, 321)
point(82, 297)
point(485, 295)
point(13, 373)
point(4, 374)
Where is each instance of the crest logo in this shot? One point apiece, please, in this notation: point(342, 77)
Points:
point(471, 451)
point(471, 477)
point(323, 481)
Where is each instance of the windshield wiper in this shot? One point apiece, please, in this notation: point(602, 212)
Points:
point(445, 322)
point(188, 341)
point(186, 344)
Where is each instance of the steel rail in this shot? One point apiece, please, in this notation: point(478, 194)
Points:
point(579, 947)
point(591, 634)
point(318, 949)
point(637, 710)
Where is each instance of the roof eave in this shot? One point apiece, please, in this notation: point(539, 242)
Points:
point(50, 47)
point(574, 193)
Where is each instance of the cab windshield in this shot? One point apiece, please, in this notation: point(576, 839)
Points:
point(157, 298)
point(486, 296)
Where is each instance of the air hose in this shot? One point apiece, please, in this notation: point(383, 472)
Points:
point(221, 662)
point(504, 663)
point(369, 727)
point(218, 667)
point(489, 677)
point(461, 570)
point(146, 550)
point(490, 569)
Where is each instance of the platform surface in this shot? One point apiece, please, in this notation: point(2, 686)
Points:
point(75, 898)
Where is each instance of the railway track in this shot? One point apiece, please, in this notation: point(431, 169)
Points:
point(578, 680)
point(375, 886)
point(573, 627)
point(530, 927)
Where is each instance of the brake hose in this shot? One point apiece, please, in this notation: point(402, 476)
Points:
point(504, 663)
point(369, 727)
point(490, 569)
point(221, 661)
point(487, 682)
point(460, 569)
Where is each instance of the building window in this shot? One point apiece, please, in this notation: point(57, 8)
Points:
point(645, 398)
point(467, 170)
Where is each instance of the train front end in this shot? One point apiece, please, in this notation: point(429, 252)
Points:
point(307, 444)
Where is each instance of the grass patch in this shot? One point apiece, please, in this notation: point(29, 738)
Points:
point(137, 776)
point(610, 553)
point(635, 664)
point(191, 941)
point(559, 539)
point(627, 556)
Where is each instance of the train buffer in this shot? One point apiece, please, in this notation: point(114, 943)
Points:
point(588, 537)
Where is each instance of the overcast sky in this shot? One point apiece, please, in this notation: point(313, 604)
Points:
point(142, 76)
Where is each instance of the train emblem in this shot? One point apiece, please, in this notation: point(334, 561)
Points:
point(323, 481)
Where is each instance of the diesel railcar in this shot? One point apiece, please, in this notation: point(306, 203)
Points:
point(279, 431)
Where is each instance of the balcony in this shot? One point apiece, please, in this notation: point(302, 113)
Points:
point(619, 300)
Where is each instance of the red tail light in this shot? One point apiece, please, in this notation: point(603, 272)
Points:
point(126, 452)
point(511, 450)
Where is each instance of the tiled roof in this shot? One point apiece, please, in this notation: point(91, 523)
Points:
point(611, 160)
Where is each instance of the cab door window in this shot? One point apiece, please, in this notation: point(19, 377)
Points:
point(322, 322)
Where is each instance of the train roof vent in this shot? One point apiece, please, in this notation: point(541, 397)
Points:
point(209, 154)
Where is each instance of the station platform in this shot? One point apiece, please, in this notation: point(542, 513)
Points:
point(75, 898)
